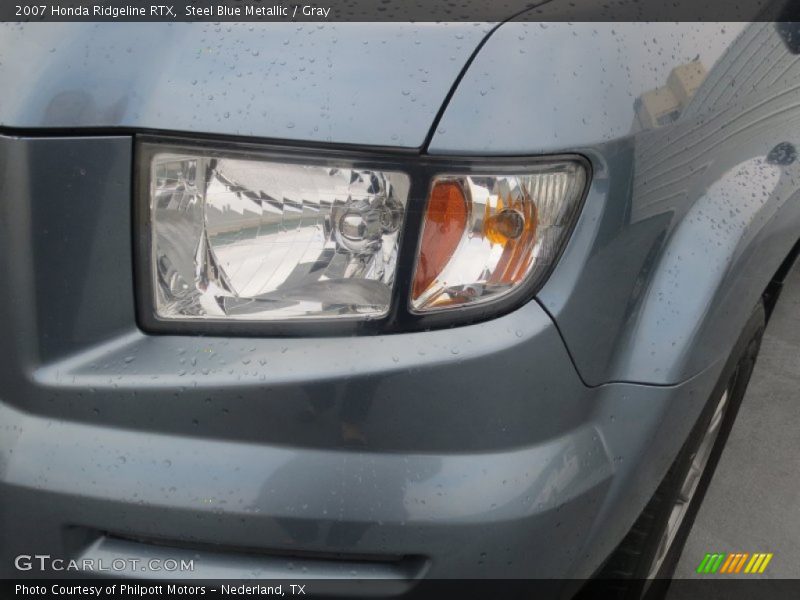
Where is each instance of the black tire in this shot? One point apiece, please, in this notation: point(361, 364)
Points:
point(624, 575)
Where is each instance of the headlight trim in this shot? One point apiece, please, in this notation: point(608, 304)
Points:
point(421, 170)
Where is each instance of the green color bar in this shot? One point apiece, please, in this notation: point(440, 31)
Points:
point(702, 567)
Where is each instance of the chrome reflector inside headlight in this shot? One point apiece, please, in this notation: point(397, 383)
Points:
point(262, 240)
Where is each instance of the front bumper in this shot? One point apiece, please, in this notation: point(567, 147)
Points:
point(470, 452)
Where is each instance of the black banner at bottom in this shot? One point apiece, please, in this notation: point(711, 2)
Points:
point(488, 589)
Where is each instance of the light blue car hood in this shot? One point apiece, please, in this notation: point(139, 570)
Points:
point(351, 83)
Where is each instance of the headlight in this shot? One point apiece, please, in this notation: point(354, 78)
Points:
point(485, 235)
point(259, 240)
point(268, 240)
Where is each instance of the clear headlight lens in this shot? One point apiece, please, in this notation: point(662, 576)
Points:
point(257, 240)
point(485, 235)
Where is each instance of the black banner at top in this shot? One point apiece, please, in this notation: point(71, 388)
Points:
point(397, 10)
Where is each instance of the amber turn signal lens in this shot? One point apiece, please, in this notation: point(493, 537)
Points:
point(445, 221)
point(485, 235)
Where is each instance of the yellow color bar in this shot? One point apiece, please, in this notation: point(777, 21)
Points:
point(755, 562)
point(751, 563)
point(764, 564)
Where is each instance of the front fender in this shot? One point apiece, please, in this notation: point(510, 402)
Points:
point(691, 129)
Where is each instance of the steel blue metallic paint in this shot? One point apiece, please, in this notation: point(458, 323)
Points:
point(466, 450)
point(349, 83)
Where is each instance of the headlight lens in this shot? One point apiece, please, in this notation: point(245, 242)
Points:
point(284, 241)
point(486, 235)
point(260, 240)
